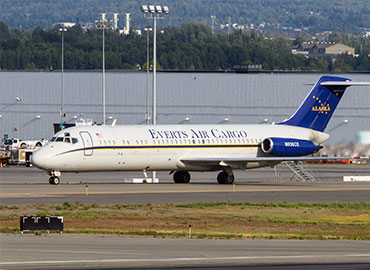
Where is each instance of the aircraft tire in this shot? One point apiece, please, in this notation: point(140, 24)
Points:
point(181, 177)
point(224, 179)
point(54, 180)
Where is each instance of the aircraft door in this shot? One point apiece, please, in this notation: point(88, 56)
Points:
point(88, 143)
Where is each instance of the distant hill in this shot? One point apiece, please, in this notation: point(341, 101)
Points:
point(314, 15)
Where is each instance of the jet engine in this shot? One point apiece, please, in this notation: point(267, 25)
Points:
point(289, 147)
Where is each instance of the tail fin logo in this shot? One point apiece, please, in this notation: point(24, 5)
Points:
point(321, 108)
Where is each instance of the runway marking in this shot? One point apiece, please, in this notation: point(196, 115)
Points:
point(79, 251)
point(184, 191)
point(14, 247)
point(318, 256)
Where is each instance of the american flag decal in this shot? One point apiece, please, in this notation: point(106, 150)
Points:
point(99, 135)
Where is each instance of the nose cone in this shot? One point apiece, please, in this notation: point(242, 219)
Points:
point(40, 159)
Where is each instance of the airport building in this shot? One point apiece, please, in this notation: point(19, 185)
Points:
point(30, 102)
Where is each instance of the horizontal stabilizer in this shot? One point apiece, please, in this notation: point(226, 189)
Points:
point(345, 83)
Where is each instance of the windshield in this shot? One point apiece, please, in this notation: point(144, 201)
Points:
point(66, 139)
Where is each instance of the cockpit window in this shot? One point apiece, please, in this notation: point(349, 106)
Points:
point(59, 139)
point(67, 140)
point(74, 140)
point(67, 134)
point(53, 139)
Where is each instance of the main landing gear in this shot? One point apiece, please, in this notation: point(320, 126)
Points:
point(226, 177)
point(182, 177)
point(54, 178)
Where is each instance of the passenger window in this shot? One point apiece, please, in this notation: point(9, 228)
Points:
point(128, 142)
point(114, 142)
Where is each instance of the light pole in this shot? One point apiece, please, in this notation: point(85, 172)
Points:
point(62, 114)
point(147, 117)
point(154, 12)
point(103, 24)
point(213, 18)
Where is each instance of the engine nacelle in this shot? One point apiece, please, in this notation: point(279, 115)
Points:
point(287, 147)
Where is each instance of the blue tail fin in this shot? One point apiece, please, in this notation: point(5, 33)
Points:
point(320, 104)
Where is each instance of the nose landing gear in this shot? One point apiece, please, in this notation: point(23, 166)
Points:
point(54, 178)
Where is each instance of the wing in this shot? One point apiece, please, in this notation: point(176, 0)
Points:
point(241, 163)
point(262, 159)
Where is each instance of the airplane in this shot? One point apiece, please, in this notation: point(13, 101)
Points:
point(183, 148)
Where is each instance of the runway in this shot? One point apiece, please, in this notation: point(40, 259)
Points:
point(19, 185)
point(108, 252)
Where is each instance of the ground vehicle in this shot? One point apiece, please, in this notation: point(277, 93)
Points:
point(15, 143)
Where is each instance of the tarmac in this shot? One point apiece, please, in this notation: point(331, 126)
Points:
point(20, 185)
point(115, 252)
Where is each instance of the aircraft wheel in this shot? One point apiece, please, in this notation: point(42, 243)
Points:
point(181, 177)
point(224, 178)
point(54, 180)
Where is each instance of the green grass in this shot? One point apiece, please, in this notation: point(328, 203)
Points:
point(223, 220)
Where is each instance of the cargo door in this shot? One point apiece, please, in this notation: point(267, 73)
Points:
point(87, 142)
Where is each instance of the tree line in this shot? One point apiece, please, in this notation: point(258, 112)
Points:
point(317, 15)
point(189, 47)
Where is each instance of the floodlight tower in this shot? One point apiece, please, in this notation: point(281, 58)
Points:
point(154, 12)
point(103, 24)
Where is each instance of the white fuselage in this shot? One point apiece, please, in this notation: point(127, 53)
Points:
point(160, 147)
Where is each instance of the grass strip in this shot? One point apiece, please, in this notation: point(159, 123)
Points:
point(222, 220)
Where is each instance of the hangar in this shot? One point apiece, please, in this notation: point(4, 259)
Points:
point(30, 101)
